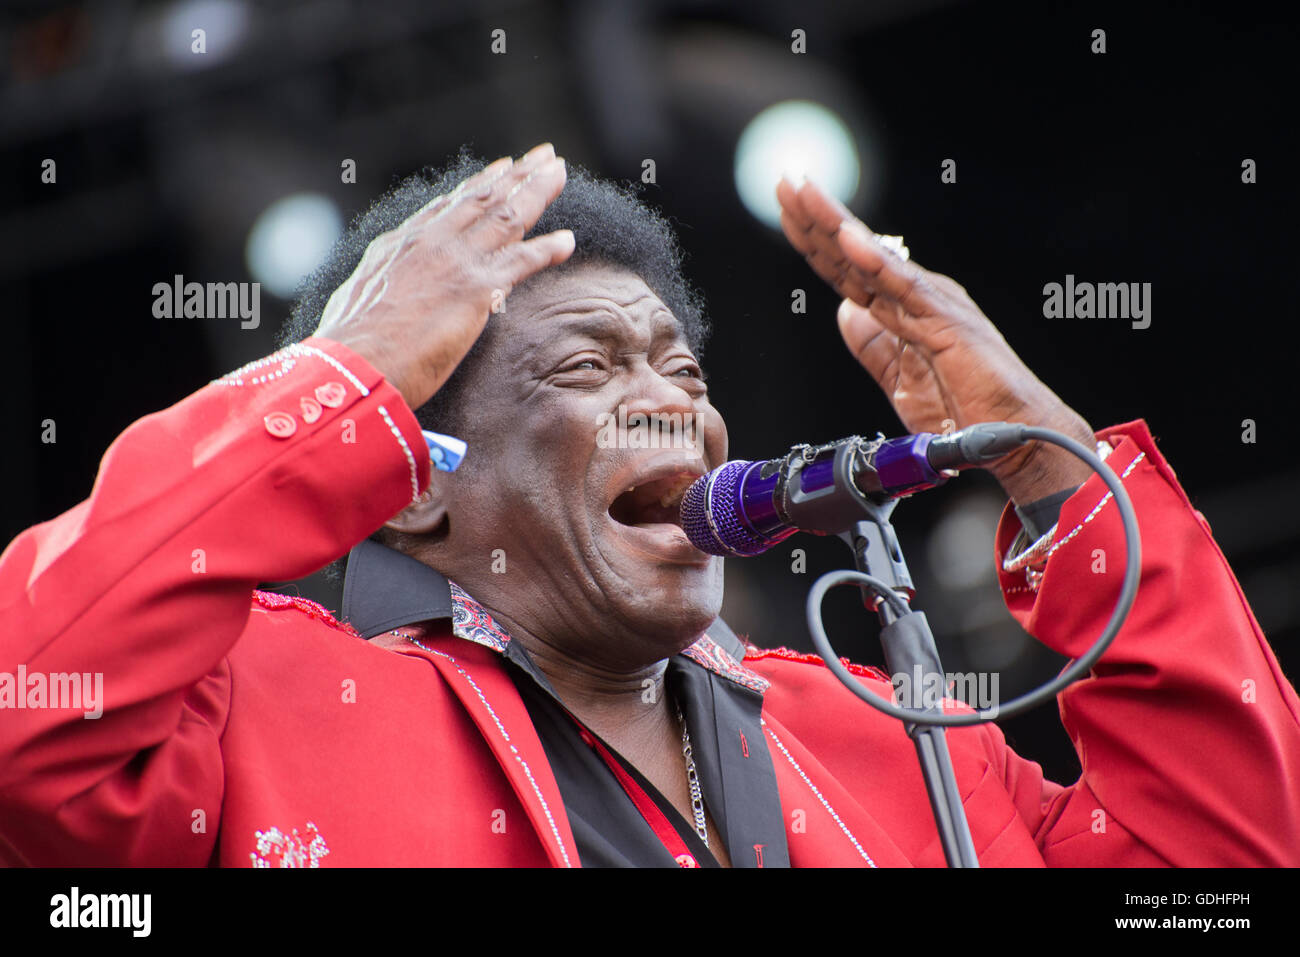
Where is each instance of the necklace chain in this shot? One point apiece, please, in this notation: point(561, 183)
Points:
point(692, 776)
point(693, 779)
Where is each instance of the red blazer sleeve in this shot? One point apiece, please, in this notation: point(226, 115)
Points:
point(266, 474)
point(1187, 731)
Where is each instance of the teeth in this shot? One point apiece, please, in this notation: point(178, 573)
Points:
point(674, 495)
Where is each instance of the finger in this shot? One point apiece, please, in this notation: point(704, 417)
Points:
point(831, 265)
point(519, 209)
point(829, 218)
point(822, 215)
point(827, 259)
point(787, 194)
point(816, 240)
point(796, 231)
point(821, 209)
point(829, 262)
point(472, 203)
point(478, 181)
point(886, 274)
point(520, 260)
point(874, 346)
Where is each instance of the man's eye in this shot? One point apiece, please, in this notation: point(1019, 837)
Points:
point(584, 365)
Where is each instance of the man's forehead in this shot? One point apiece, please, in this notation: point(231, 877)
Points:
point(586, 283)
point(588, 291)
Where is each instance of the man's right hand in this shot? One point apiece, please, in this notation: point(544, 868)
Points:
point(423, 292)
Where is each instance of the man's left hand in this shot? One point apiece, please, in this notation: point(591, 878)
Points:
point(940, 361)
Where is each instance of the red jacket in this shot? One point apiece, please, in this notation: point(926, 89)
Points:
point(240, 731)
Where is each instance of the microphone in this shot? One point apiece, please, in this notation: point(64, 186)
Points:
point(744, 508)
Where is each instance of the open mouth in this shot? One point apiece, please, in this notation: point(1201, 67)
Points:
point(656, 502)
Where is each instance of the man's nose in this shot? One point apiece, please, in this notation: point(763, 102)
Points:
point(654, 402)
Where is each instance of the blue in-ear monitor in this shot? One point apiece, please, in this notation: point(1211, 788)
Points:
point(446, 451)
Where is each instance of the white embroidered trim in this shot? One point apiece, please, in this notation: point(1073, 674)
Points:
point(826, 804)
point(1032, 558)
point(406, 450)
point(237, 377)
point(555, 832)
point(298, 349)
point(286, 357)
point(1099, 506)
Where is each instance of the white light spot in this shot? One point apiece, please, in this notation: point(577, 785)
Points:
point(290, 239)
point(225, 24)
point(795, 138)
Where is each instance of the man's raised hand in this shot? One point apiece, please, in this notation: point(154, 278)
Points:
point(937, 357)
point(423, 291)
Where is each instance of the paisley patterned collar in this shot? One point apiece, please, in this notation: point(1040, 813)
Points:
point(473, 622)
point(384, 589)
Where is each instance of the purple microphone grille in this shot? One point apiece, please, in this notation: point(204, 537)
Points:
point(711, 515)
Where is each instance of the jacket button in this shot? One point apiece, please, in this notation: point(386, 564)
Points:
point(331, 394)
point(280, 424)
point(310, 409)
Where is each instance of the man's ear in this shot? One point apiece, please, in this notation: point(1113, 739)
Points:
point(424, 515)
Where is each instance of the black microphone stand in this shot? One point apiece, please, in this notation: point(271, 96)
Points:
point(910, 650)
point(821, 485)
point(831, 507)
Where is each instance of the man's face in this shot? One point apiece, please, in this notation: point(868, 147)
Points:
point(550, 415)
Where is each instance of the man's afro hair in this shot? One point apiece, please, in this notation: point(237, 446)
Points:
point(610, 224)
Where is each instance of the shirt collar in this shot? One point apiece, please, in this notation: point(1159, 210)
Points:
point(384, 589)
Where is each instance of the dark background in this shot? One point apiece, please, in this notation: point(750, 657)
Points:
point(1122, 167)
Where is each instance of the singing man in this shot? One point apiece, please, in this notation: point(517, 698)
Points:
point(529, 668)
